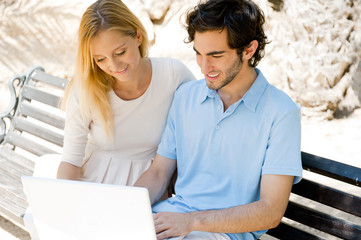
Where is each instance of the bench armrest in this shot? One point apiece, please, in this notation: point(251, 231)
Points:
point(14, 84)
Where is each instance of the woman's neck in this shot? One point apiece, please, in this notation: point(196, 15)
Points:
point(130, 90)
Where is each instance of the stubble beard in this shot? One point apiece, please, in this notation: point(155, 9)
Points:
point(230, 74)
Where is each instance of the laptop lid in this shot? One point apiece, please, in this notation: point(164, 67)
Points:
point(64, 209)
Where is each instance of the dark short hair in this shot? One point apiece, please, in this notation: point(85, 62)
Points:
point(243, 20)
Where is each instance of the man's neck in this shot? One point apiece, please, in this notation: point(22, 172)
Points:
point(236, 89)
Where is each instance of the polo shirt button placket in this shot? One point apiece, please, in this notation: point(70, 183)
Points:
point(217, 126)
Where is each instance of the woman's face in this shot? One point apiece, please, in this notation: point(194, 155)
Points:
point(117, 54)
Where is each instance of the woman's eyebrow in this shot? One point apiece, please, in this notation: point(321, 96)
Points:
point(120, 46)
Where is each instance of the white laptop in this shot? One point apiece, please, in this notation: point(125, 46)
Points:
point(75, 210)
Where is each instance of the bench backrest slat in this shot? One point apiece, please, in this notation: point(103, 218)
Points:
point(27, 144)
point(328, 196)
point(333, 169)
point(24, 125)
point(322, 221)
point(31, 93)
point(49, 79)
point(26, 109)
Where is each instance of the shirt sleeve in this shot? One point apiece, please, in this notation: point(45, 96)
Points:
point(75, 133)
point(283, 153)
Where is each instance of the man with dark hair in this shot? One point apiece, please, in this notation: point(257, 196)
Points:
point(233, 138)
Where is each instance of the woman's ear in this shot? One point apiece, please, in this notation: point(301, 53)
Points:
point(250, 50)
point(139, 37)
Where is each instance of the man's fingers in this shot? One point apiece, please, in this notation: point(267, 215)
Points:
point(164, 234)
point(160, 225)
point(160, 228)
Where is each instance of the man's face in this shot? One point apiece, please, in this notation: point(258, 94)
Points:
point(218, 62)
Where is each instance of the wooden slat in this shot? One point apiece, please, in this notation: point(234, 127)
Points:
point(15, 157)
point(287, 232)
point(24, 125)
point(12, 198)
point(27, 144)
point(14, 170)
point(47, 78)
point(11, 180)
point(322, 221)
point(333, 169)
point(52, 119)
point(331, 197)
point(11, 208)
point(31, 93)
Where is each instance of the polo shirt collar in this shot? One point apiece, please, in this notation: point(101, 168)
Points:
point(206, 92)
point(250, 99)
point(254, 94)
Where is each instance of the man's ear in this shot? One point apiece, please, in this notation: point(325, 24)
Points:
point(250, 50)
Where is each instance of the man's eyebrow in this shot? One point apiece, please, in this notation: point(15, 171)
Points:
point(211, 53)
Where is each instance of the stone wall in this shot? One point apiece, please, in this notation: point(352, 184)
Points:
point(315, 53)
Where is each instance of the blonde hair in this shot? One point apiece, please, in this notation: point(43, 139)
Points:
point(92, 83)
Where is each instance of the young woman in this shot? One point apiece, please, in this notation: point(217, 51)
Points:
point(118, 101)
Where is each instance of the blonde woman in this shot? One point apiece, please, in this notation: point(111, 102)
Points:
point(116, 105)
point(118, 102)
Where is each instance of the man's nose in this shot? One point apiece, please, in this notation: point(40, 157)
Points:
point(205, 64)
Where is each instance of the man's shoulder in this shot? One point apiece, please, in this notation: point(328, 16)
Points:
point(272, 98)
point(277, 97)
point(190, 92)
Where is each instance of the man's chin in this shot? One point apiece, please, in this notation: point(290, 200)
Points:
point(212, 86)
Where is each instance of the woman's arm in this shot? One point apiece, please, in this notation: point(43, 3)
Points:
point(68, 171)
point(157, 177)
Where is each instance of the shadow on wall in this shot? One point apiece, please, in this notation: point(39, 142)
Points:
point(276, 5)
point(353, 96)
point(356, 83)
point(31, 36)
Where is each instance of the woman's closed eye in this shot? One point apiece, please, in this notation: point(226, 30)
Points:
point(119, 53)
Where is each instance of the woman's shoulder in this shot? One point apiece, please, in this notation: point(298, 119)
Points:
point(171, 70)
point(167, 63)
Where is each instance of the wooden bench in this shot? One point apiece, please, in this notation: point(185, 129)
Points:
point(31, 126)
point(326, 203)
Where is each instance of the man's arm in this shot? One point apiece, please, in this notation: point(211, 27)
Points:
point(263, 214)
point(157, 177)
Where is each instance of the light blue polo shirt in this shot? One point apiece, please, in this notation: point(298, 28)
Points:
point(221, 155)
